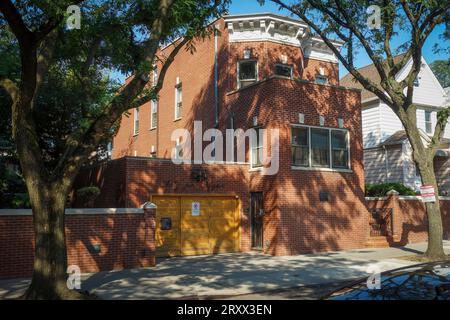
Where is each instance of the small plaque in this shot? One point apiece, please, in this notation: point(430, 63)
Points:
point(166, 223)
point(324, 196)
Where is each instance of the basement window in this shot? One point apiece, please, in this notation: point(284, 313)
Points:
point(247, 73)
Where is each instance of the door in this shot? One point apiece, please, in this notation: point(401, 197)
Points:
point(257, 214)
point(198, 225)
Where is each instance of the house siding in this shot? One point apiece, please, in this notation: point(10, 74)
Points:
point(382, 166)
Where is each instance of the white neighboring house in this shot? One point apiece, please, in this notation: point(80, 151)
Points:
point(387, 152)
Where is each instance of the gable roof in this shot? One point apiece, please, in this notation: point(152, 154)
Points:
point(370, 72)
point(400, 136)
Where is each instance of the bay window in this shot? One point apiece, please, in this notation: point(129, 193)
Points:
point(300, 146)
point(316, 147)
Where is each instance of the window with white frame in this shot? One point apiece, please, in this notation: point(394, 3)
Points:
point(154, 114)
point(283, 70)
point(314, 147)
point(320, 147)
point(321, 79)
point(247, 73)
point(339, 149)
point(300, 146)
point(257, 149)
point(136, 122)
point(428, 126)
point(178, 101)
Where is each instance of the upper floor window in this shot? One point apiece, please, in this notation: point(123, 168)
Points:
point(136, 122)
point(416, 82)
point(283, 70)
point(155, 75)
point(257, 149)
point(178, 101)
point(300, 146)
point(321, 79)
point(247, 73)
point(154, 114)
point(320, 147)
point(428, 127)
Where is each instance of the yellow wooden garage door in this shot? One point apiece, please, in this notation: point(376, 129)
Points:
point(194, 225)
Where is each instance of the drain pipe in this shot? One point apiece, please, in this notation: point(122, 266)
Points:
point(216, 76)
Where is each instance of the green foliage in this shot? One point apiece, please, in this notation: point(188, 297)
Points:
point(81, 81)
point(12, 189)
point(20, 201)
point(441, 69)
point(87, 195)
point(380, 190)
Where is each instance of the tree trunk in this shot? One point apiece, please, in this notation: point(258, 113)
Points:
point(435, 250)
point(50, 262)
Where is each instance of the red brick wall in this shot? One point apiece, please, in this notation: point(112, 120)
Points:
point(126, 241)
point(410, 219)
point(196, 72)
point(296, 221)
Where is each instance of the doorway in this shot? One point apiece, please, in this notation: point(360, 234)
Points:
point(256, 215)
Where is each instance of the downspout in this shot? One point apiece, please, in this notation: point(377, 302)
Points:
point(216, 76)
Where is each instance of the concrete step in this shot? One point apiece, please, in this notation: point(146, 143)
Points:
point(378, 242)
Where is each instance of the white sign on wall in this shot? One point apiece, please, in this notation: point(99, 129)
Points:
point(195, 209)
point(427, 193)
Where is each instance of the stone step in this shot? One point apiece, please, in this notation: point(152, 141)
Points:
point(378, 242)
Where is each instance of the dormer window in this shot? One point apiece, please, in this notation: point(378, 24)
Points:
point(321, 79)
point(247, 73)
point(283, 70)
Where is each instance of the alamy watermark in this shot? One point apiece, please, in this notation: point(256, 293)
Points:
point(190, 149)
point(74, 278)
point(374, 280)
point(74, 17)
point(374, 18)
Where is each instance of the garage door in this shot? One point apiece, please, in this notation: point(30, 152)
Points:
point(194, 225)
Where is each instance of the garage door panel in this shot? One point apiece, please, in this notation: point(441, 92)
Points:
point(215, 230)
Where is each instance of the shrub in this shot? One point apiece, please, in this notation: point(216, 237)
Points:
point(20, 201)
point(87, 195)
point(380, 190)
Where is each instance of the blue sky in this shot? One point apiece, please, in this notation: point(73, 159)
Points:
point(252, 6)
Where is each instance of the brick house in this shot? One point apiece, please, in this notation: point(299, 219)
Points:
point(254, 71)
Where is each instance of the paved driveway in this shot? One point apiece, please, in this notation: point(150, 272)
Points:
point(234, 274)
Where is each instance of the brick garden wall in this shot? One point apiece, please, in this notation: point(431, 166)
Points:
point(410, 219)
point(126, 240)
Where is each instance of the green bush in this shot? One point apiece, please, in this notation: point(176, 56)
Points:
point(20, 201)
point(380, 190)
point(87, 195)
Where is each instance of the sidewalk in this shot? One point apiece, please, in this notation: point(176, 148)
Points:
point(234, 274)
